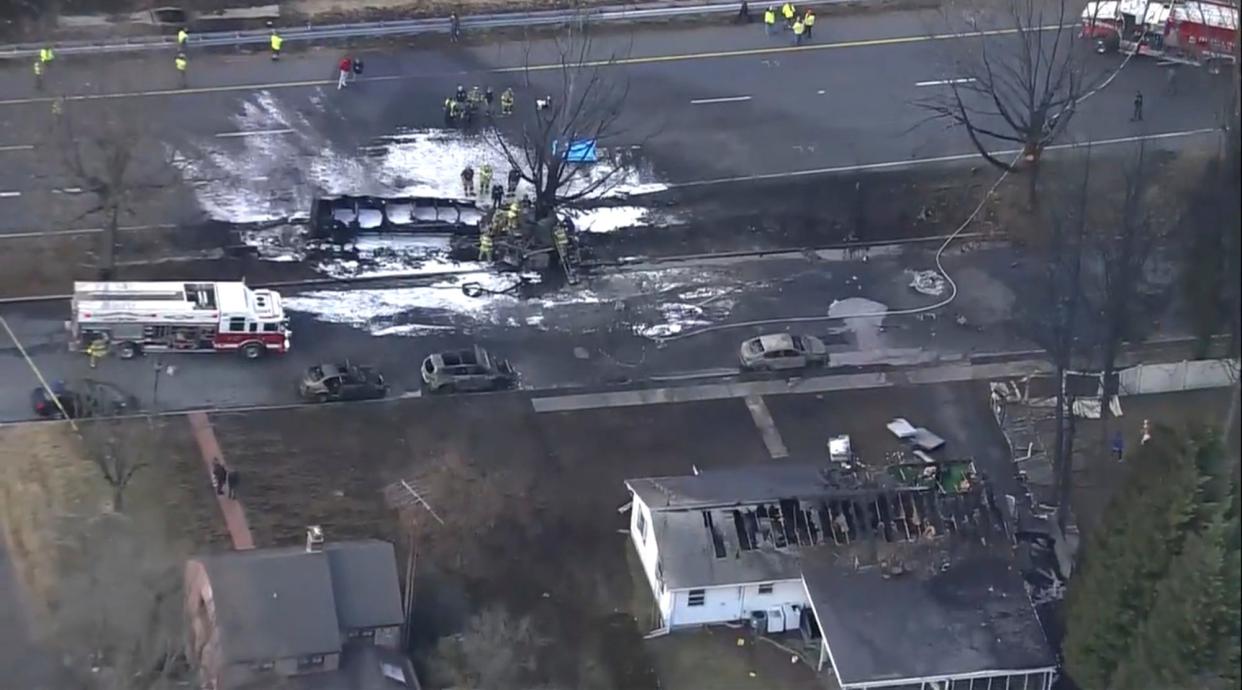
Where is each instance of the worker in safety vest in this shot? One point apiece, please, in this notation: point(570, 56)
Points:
point(561, 239)
point(808, 20)
point(485, 246)
point(798, 30)
point(97, 350)
point(46, 55)
point(452, 111)
point(769, 20)
point(182, 64)
point(183, 37)
point(512, 215)
point(506, 102)
point(788, 12)
point(485, 179)
point(38, 72)
point(276, 42)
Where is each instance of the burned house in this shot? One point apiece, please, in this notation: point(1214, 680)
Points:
point(866, 569)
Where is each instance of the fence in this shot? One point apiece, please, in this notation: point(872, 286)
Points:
point(1177, 376)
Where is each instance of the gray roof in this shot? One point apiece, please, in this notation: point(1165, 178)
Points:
point(748, 484)
point(359, 670)
point(364, 580)
point(282, 602)
point(272, 603)
point(972, 616)
point(688, 560)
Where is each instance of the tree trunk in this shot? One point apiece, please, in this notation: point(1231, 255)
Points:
point(107, 259)
point(118, 498)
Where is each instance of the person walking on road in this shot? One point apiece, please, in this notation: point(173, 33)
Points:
point(97, 350)
point(46, 55)
point(454, 28)
point(1138, 107)
point(276, 42)
point(798, 30)
point(344, 67)
point(219, 476)
point(38, 74)
point(182, 64)
point(808, 21)
point(769, 20)
point(183, 37)
point(233, 479)
point(357, 69)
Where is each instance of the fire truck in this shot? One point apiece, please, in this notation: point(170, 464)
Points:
point(134, 318)
point(1179, 31)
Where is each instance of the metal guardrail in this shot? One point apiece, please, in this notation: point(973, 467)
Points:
point(616, 13)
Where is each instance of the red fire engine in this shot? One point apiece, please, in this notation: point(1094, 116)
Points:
point(1180, 31)
point(178, 317)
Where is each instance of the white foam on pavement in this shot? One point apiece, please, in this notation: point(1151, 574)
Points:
point(859, 315)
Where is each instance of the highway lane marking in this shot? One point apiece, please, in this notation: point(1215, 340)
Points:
point(767, 427)
point(621, 62)
point(254, 133)
point(17, 147)
point(80, 231)
point(9, 195)
point(728, 99)
point(946, 82)
point(974, 155)
point(68, 190)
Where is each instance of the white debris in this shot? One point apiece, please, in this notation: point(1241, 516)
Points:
point(930, 283)
point(863, 318)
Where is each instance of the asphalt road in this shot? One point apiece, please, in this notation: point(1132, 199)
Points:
point(704, 103)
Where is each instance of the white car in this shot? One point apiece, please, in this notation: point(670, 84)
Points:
point(778, 351)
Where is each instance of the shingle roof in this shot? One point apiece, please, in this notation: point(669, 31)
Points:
point(946, 615)
point(283, 602)
point(364, 580)
point(272, 603)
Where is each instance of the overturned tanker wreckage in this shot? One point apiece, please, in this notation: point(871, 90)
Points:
point(507, 236)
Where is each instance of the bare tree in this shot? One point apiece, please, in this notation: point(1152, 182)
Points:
point(119, 445)
point(1123, 246)
point(117, 615)
point(1019, 86)
point(1054, 313)
point(582, 100)
point(111, 152)
point(495, 651)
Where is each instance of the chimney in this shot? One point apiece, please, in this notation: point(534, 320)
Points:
point(314, 539)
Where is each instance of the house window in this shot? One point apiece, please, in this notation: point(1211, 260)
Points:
point(641, 525)
point(697, 597)
point(766, 589)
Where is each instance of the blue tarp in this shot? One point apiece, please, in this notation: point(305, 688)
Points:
point(580, 151)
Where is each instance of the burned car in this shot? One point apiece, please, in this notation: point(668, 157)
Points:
point(335, 382)
point(471, 369)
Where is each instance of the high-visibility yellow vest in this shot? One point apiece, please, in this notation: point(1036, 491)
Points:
point(809, 19)
point(769, 17)
point(46, 55)
point(798, 28)
point(182, 37)
point(485, 241)
point(787, 10)
point(276, 42)
point(181, 64)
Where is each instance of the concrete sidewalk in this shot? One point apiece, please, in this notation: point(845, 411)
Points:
point(234, 513)
point(819, 384)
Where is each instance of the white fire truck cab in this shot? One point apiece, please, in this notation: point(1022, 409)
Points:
point(139, 317)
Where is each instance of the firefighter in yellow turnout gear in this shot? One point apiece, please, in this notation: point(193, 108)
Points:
point(506, 102)
point(97, 350)
point(485, 246)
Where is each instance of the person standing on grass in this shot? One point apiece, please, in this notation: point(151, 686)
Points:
point(343, 69)
point(233, 480)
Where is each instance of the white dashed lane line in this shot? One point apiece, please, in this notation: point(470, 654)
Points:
point(767, 427)
point(17, 147)
point(254, 133)
point(945, 82)
point(9, 195)
point(727, 99)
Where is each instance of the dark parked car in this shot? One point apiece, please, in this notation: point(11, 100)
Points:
point(83, 399)
point(467, 370)
point(327, 382)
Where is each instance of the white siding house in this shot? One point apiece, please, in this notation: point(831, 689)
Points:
point(780, 598)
